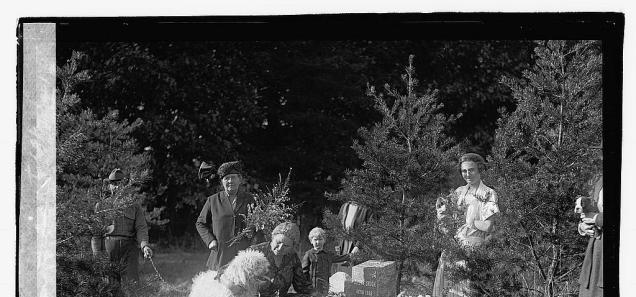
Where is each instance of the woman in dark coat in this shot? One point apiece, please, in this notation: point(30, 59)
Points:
point(591, 279)
point(222, 217)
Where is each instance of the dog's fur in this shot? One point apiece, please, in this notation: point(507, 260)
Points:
point(585, 206)
point(239, 279)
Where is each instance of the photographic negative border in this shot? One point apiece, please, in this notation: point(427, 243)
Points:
point(36, 104)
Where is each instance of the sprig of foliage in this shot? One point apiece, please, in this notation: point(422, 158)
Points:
point(269, 210)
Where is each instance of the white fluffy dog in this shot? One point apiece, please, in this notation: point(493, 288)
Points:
point(241, 278)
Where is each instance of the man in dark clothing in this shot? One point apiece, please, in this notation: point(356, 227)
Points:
point(127, 233)
point(222, 217)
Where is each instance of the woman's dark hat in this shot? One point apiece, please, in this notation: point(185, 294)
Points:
point(234, 167)
point(206, 170)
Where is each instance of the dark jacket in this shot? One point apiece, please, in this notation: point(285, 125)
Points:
point(218, 221)
point(591, 279)
point(317, 267)
point(132, 224)
point(287, 274)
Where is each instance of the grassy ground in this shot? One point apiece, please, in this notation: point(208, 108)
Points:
point(178, 267)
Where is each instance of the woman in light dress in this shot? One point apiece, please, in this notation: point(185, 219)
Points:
point(479, 203)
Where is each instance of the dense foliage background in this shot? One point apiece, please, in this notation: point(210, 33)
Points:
point(279, 104)
point(534, 108)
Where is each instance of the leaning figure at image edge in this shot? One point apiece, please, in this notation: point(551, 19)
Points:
point(591, 278)
point(223, 217)
point(479, 203)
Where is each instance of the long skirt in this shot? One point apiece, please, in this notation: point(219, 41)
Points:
point(442, 284)
point(460, 288)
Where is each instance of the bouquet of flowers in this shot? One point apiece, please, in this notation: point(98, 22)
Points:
point(448, 212)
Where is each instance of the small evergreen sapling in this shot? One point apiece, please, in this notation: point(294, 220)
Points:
point(406, 163)
point(88, 148)
point(543, 158)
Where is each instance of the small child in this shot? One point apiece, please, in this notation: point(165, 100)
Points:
point(317, 262)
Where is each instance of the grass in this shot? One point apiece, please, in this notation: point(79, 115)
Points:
point(176, 267)
point(173, 276)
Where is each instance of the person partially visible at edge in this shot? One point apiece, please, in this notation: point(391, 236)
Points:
point(222, 217)
point(480, 205)
point(127, 233)
point(352, 215)
point(591, 278)
point(285, 266)
point(317, 261)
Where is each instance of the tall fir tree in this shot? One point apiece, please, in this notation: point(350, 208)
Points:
point(406, 163)
point(88, 148)
point(545, 154)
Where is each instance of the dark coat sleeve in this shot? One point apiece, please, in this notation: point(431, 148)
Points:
point(301, 283)
point(141, 228)
point(599, 220)
point(204, 224)
point(306, 264)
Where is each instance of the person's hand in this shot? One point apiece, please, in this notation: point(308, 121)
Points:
point(147, 252)
point(588, 229)
point(249, 233)
point(589, 221)
point(439, 204)
point(213, 245)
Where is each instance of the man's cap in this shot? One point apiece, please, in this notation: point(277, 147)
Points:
point(116, 175)
point(233, 167)
point(206, 170)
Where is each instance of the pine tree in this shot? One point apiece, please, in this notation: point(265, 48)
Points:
point(406, 163)
point(543, 157)
point(88, 148)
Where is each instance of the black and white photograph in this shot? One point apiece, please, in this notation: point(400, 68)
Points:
point(343, 155)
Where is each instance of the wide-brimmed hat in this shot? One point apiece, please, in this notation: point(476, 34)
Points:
point(206, 170)
point(116, 175)
point(233, 167)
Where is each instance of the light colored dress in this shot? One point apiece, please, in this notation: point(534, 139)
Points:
point(480, 204)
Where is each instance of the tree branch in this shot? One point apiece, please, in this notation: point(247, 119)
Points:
point(534, 252)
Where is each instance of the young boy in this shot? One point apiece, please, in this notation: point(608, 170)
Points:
point(317, 262)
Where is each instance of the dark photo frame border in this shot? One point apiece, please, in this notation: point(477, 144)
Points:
point(607, 27)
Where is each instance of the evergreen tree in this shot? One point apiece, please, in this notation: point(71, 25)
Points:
point(406, 163)
point(88, 148)
point(544, 157)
